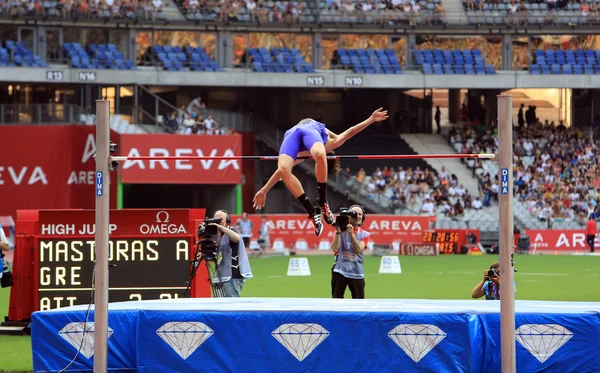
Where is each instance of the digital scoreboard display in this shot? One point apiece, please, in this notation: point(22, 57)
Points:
point(446, 242)
point(139, 269)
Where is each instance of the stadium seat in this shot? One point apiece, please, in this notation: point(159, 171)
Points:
point(370, 61)
point(197, 58)
point(452, 62)
point(565, 62)
point(278, 60)
point(21, 55)
point(108, 56)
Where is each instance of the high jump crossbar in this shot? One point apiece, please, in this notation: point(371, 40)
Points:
point(274, 157)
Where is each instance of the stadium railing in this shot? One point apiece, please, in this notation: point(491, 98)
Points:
point(42, 114)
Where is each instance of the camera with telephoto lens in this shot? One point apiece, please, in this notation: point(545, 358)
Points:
point(343, 219)
point(492, 272)
point(208, 235)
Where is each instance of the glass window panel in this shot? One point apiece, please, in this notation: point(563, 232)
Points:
point(349, 41)
point(143, 40)
point(240, 43)
point(209, 42)
point(520, 53)
point(399, 48)
point(8, 33)
point(304, 45)
point(271, 40)
point(493, 51)
point(119, 38)
point(374, 41)
point(328, 45)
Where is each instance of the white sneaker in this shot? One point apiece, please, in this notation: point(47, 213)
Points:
point(318, 223)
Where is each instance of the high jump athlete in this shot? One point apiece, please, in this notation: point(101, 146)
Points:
point(310, 137)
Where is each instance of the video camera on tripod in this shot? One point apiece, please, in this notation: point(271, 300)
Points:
point(207, 251)
point(343, 218)
point(208, 235)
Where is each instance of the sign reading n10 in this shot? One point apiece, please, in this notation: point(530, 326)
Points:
point(355, 81)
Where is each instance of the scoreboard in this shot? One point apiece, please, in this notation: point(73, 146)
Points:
point(149, 255)
point(139, 268)
point(448, 241)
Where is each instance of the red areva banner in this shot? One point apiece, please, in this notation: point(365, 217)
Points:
point(49, 167)
point(559, 240)
point(181, 171)
point(385, 229)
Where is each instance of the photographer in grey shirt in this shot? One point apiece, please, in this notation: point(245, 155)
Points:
point(348, 246)
point(232, 260)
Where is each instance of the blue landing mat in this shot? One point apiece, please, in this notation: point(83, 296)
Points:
point(320, 335)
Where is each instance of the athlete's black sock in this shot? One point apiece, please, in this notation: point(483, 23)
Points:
point(322, 187)
point(307, 204)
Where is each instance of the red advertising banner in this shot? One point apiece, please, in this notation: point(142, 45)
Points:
point(559, 240)
point(127, 222)
point(181, 171)
point(49, 167)
point(385, 229)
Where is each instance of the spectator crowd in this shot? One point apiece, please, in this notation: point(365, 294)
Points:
point(555, 167)
point(130, 9)
point(421, 191)
point(257, 11)
point(389, 11)
point(190, 120)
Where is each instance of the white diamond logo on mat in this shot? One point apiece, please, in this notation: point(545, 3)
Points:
point(542, 340)
point(300, 339)
point(74, 334)
point(416, 340)
point(184, 337)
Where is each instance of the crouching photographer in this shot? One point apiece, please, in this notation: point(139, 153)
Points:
point(349, 242)
point(226, 247)
point(489, 285)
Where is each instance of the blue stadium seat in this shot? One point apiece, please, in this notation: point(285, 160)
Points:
point(284, 60)
point(17, 54)
point(454, 61)
point(580, 61)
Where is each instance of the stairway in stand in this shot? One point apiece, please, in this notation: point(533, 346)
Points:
point(436, 144)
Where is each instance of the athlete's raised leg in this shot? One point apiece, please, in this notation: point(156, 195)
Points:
point(285, 164)
point(317, 151)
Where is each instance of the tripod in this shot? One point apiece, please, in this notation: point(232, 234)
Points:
point(212, 268)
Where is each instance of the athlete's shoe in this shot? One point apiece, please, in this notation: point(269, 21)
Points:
point(327, 214)
point(316, 218)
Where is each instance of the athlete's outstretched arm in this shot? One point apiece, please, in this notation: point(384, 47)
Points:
point(338, 140)
point(261, 195)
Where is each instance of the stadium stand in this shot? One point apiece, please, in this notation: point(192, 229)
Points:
point(388, 12)
point(566, 62)
point(416, 191)
point(249, 11)
point(447, 61)
point(551, 12)
point(281, 60)
point(370, 61)
point(555, 174)
point(103, 56)
point(16, 54)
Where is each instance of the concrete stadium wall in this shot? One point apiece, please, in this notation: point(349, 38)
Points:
point(322, 78)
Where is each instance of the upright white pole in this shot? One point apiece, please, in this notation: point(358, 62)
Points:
point(507, 282)
point(102, 217)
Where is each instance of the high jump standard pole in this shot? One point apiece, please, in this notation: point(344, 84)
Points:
point(101, 237)
point(507, 274)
